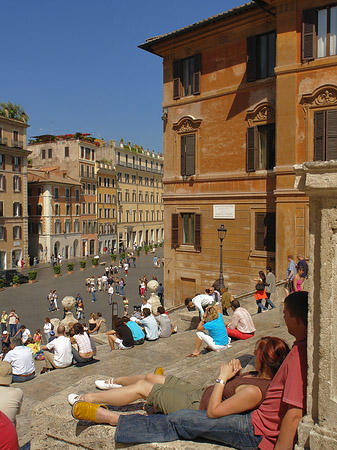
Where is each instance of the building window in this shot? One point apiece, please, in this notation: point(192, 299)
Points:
point(1, 209)
point(261, 56)
point(92, 155)
point(56, 193)
point(82, 170)
point(94, 189)
point(186, 230)
point(119, 177)
point(134, 213)
point(2, 233)
point(152, 197)
point(77, 195)
point(78, 210)
point(140, 197)
point(146, 197)
point(39, 191)
point(15, 142)
point(260, 147)
point(57, 227)
point(99, 181)
point(94, 208)
point(113, 199)
point(141, 216)
point(89, 188)
point(82, 152)
point(92, 171)
point(50, 153)
point(127, 178)
point(265, 231)
point(2, 183)
point(99, 198)
point(38, 210)
point(140, 180)
point(67, 194)
point(76, 226)
point(67, 226)
point(16, 164)
point(146, 181)
point(83, 208)
point(134, 197)
point(187, 155)
point(17, 209)
point(57, 210)
point(66, 152)
point(319, 33)
point(127, 196)
point(325, 135)
point(84, 227)
point(186, 76)
point(68, 210)
point(133, 179)
point(100, 213)
point(89, 208)
point(16, 183)
point(83, 188)
point(113, 212)
point(87, 153)
point(2, 161)
point(43, 153)
point(16, 232)
point(87, 171)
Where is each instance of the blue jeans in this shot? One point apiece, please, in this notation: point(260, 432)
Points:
point(268, 301)
point(18, 379)
point(235, 430)
point(260, 306)
point(12, 329)
point(121, 288)
point(117, 288)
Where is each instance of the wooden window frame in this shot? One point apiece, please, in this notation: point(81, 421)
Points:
point(194, 78)
point(325, 132)
point(254, 56)
point(254, 252)
point(177, 232)
point(253, 149)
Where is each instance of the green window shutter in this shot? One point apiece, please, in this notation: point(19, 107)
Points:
point(251, 58)
point(197, 74)
point(197, 232)
point(319, 135)
point(331, 134)
point(190, 155)
point(175, 231)
point(252, 149)
point(260, 231)
point(308, 34)
point(183, 156)
point(177, 66)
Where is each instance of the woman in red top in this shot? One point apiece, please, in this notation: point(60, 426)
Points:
point(260, 293)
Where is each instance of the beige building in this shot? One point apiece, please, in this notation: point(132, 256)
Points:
point(75, 154)
point(13, 191)
point(106, 199)
point(54, 214)
point(140, 212)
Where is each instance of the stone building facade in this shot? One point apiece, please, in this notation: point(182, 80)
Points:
point(247, 94)
point(13, 192)
point(54, 210)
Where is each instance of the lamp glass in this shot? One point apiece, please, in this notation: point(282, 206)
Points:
point(222, 232)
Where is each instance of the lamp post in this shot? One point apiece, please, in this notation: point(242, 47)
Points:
point(221, 234)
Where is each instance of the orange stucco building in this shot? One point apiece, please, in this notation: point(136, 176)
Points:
point(247, 94)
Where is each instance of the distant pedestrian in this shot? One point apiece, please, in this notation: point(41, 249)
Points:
point(270, 286)
point(12, 316)
point(93, 290)
point(122, 284)
point(80, 309)
point(160, 293)
point(55, 298)
point(4, 317)
point(110, 293)
point(260, 293)
point(126, 269)
point(291, 271)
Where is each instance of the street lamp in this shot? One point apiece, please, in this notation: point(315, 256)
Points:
point(221, 235)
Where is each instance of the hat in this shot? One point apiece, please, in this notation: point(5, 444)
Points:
point(5, 372)
point(5, 332)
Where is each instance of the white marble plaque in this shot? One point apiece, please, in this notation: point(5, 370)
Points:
point(223, 211)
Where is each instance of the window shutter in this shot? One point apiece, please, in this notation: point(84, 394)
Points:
point(197, 232)
point(176, 78)
point(14, 183)
point(20, 184)
point(13, 209)
point(319, 136)
point(190, 155)
point(19, 165)
point(183, 156)
point(308, 34)
point(4, 183)
point(5, 234)
point(197, 74)
point(259, 231)
point(175, 231)
point(20, 209)
point(251, 59)
point(331, 133)
point(252, 150)
point(19, 232)
point(13, 164)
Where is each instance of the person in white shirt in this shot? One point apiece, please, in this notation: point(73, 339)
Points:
point(61, 346)
point(145, 304)
point(25, 334)
point(110, 293)
point(241, 326)
point(21, 359)
point(200, 301)
point(10, 398)
point(150, 325)
point(104, 281)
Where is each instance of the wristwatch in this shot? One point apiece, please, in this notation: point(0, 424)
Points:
point(219, 380)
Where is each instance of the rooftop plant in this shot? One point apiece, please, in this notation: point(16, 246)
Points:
point(13, 111)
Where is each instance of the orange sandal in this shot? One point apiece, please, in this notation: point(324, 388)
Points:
point(85, 411)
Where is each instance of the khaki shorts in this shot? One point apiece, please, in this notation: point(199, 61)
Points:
point(174, 395)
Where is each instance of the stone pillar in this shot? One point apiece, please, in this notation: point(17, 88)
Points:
point(318, 429)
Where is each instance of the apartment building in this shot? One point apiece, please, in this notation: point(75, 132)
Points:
point(54, 210)
point(106, 199)
point(75, 154)
point(13, 191)
point(248, 93)
point(140, 215)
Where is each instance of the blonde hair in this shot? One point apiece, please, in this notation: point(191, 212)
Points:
point(212, 314)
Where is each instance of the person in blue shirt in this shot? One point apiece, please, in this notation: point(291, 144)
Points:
point(137, 333)
point(291, 272)
point(217, 337)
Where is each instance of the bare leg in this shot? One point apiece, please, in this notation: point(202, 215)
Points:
point(105, 416)
point(197, 346)
point(151, 377)
point(121, 396)
point(112, 339)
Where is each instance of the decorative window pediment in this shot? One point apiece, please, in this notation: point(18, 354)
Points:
point(323, 96)
point(186, 124)
point(263, 113)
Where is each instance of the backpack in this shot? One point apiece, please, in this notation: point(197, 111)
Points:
point(52, 327)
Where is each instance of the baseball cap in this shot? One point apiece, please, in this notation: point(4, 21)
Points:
point(5, 372)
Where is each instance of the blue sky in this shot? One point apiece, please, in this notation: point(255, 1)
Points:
point(75, 65)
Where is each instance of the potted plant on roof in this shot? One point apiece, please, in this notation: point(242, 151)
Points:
point(70, 267)
point(83, 265)
point(16, 281)
point(57, 271)
point(32, 274)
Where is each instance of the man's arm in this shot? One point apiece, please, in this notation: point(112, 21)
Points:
point(288, 430)
point(234, 322)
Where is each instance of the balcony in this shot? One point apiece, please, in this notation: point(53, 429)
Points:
point(3, 141)
point(139, 167)
point(17, 144)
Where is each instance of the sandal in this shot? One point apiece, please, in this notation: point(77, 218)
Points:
point(85, 411)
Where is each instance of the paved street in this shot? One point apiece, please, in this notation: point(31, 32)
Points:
point(30, 300)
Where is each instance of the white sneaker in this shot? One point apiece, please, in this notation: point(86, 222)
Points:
point(73, 398)
point(107, 384)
